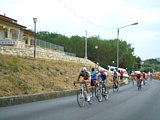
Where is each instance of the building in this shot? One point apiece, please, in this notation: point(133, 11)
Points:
point(14, 34)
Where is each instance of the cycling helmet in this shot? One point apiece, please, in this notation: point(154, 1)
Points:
point(101, 70)
point(83, 69)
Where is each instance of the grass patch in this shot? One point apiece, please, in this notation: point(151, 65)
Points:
point(21, 75)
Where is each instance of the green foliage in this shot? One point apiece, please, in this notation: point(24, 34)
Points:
point(57, 69)
point(150, 65)
point(105, 54)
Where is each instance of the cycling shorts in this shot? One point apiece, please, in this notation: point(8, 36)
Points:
point(102, 80)
point(93, 82)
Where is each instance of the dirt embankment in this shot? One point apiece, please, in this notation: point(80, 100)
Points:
point(19, 75)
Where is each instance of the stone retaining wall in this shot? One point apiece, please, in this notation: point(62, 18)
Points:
point(43, 54)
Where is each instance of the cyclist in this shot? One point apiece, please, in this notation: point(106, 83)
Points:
point(139, 78)
point(133, 75)
point(85, 78)
point(115, 78)
point(94, 76)
point(144, 78)
point(102, 77)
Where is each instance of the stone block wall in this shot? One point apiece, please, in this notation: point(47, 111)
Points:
point(43, 53)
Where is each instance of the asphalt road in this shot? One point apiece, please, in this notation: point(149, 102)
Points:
point(127, 104)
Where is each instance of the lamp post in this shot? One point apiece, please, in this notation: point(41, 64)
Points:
point(118, 42)
point(86, 46)
point(34, 20)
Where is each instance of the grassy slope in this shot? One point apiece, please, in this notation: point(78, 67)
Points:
point(28, 76)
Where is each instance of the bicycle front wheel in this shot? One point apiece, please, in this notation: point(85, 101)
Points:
point(80, 98)
point(99, 94)
point(91, 99)
point(107, 95)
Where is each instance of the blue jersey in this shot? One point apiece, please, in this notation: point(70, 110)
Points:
point(93, 75)
point(103, 77)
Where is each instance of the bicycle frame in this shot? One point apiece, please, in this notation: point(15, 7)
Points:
point(114, 86)
point(100, 92)
point(139, 84)
point(82, 94)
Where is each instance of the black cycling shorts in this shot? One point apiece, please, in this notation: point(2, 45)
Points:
point(92, 82)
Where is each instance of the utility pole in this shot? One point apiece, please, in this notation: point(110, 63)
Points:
point(86, 46)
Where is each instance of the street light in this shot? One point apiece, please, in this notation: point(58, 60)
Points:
point(34, 20)
point(118, 42)
point(86, 46)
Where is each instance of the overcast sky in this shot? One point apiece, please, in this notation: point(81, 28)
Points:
point(98, 17)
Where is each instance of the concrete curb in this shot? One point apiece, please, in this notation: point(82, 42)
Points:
point(21, 99)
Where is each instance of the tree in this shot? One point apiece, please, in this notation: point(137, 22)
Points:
point(104, 54)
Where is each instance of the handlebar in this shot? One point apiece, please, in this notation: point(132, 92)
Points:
point(76, 82)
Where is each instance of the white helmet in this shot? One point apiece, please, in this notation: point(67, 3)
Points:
point(101, 70)
point(83, 69)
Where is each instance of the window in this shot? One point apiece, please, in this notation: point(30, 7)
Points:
point(6, 34)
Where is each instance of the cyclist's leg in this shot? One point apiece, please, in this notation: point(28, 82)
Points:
point(87, 88)
point(88, 91)
point(140, 81)
point(137, 81)
point(92, 85)
point(113, 83)
point(104, 85)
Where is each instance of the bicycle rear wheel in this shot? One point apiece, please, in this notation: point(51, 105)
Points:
point(139, 88)
point(96, 91)
point(80, 98)
point(114, 87)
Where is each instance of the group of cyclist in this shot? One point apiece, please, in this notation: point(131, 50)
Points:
point(96, 75)
point(139, 78)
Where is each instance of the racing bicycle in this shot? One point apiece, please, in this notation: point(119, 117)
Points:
point(100, 92)
point(115, 86)
point(139, 84)
point(82, 94)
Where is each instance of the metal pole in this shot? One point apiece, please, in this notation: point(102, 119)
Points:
point(34, 39)
point(86, 46)
point(117, 48)
point(118, 42)
point(34, 20)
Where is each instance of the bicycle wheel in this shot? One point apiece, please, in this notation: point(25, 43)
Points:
point(99, 94)
point(114, 87)
point(118, 86)
point(132, 81)
point(91, 99)
point(96, 91)
point(107, 95)
point(139, 85)
point(80, 98)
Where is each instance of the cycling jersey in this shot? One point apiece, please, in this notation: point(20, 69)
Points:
point(103, 77)
point(138, 76)
point(115, 75)
point(93, 75)
point(85, 76)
